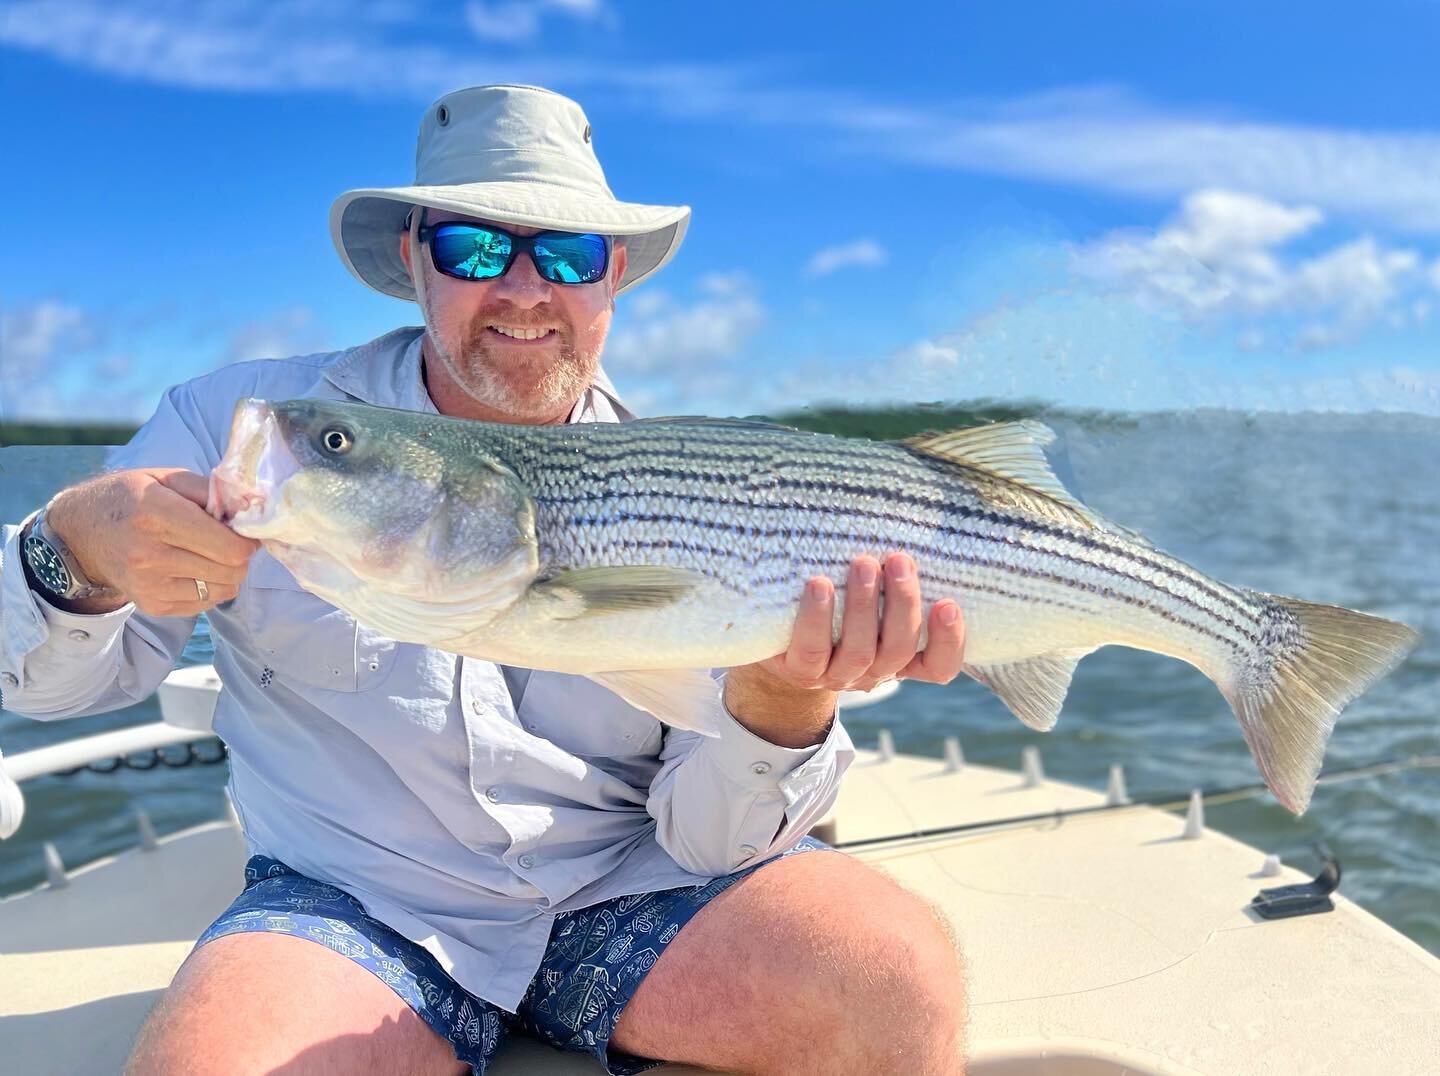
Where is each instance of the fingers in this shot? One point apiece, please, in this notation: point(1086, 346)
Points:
point(180, 597)
point(188, 484)
point(806, 658)
point(944, 654)
point(176, 519)
point(900, 623)
point(875, 643)
point(858, 638)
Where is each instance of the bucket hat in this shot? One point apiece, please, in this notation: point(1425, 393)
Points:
point(511, 154)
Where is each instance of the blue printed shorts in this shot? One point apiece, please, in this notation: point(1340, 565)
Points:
point(594, 963)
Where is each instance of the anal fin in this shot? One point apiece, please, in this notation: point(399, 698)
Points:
point(1033, 689)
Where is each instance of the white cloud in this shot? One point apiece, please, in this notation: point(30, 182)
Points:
point(365, 48)
point(287, 332)
point(1105, 139)
point(1092, 137)
point(676, 341)
point(518, 21)
point(862, 252)
point(927, 355)
point(1218, 260)
point(36, 337)
point(60, 360)
point(1435, 274)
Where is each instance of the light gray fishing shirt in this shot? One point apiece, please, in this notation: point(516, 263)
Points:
point(463, 803)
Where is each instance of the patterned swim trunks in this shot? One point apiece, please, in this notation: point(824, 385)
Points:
point(594, 963)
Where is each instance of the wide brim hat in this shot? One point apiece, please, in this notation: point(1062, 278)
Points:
point(518, 155)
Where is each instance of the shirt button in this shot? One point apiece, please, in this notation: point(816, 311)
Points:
point(527, 861)
point(78, 634)
point(748, 849)
point(475, 705)
point(493, 795)
point(760, 769)
point(9, 680)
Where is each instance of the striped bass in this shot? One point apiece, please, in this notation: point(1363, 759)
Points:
point(644, 554)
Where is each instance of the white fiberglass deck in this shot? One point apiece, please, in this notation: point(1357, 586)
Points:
point(1102, 944)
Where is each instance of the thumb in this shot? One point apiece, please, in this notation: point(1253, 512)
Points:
point(188, 484)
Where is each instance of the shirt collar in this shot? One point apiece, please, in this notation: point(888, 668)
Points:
point(386, 372)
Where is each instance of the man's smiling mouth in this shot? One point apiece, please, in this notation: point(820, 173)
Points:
point(521, 334)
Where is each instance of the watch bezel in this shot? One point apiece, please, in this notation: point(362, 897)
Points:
point(48, 564)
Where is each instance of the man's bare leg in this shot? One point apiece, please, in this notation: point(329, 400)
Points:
point(253, 1003)
point(813, 964)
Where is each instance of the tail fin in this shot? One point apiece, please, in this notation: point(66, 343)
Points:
point(1312, 661)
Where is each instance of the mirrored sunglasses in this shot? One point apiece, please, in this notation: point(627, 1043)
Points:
point(481, 252)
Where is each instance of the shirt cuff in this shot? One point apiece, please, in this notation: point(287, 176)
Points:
point(755, 763)
point(31, 621)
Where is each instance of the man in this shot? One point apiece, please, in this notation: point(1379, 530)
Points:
point(472, 846)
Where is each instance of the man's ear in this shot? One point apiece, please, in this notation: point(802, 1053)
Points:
point(617, 266)
point(404, 240)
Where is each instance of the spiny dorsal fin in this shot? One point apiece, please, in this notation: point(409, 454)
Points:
point(1005, 463)
point(623, 589)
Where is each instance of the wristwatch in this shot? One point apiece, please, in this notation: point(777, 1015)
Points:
point(55, 567)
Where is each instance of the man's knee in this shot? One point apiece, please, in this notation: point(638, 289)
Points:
point(887, 953)
point(915, 984)
point(251, 1003)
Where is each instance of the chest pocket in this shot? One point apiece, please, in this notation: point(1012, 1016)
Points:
point(305, 639)
point(578, 715)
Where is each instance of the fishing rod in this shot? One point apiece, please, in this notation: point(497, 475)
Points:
point(1165, 801)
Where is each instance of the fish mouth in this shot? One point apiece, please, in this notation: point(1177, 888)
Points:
point(245, 485)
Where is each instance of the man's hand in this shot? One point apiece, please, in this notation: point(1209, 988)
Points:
point(789, 699)
point(146, 533)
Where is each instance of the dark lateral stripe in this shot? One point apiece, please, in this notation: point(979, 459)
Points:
point(1114, 546)
point(940, 553)
point(839, 567)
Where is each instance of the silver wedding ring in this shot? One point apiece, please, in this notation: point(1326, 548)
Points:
point(202, 589)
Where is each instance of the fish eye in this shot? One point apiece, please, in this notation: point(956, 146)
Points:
point(336, 440)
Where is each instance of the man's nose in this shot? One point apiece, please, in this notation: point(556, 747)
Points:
point(522, 284)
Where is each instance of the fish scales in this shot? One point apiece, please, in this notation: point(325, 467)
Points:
point(660, 485)
point(633, 552)
point(1204, 588)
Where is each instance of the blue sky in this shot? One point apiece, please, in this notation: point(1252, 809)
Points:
point(1123, 205)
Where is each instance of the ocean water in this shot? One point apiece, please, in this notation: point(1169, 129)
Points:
point(1327, 507)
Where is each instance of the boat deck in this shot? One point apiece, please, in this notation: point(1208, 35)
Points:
point(1099, 944)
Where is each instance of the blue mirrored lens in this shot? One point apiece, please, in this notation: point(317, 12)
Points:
point(570, 259)
point(467, 251)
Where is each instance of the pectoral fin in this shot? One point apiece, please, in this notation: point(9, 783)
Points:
point(598, 591)
point(1033, 689)
point(684, 698)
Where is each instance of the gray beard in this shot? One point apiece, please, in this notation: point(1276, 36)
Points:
point(480, 378)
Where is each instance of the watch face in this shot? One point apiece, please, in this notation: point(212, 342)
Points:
point(47, 565)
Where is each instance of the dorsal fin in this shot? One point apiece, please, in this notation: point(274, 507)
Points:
point(1005, 463)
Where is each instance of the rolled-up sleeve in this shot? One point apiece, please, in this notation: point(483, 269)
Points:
point(722, 803)
point(56, 664)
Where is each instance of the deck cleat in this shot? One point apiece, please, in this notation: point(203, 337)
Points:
point(55, 875)
point(148, 840)
point(1115, 795)
point(954, 756)
point(1194, 817)
point(1031, 767)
